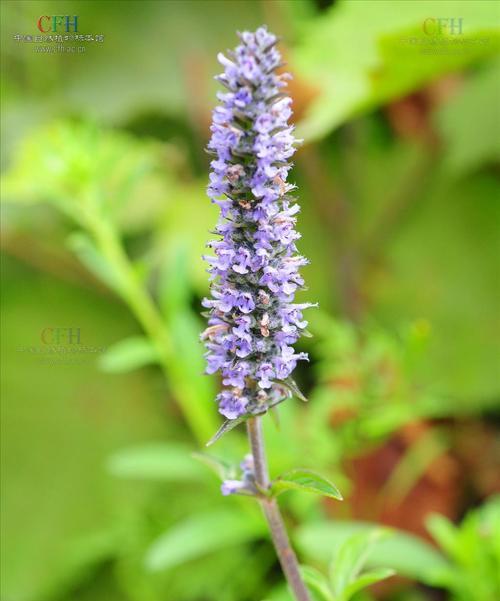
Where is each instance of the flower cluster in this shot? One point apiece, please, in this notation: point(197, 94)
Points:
point(245, 486)
point(253, 321)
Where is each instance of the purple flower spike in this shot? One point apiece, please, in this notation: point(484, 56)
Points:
point(254, 274)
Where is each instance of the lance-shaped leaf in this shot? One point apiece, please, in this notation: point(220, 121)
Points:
point(317, 583)
point(91, 256)
point(409, 555)
point(292, 387)
point(365, 580)
point(223, 469)
point(301, 479)
point(229, 424)
point(155, 461)
point(226, 427)
point(128, 354)
point(349, 560)
point(200, 534)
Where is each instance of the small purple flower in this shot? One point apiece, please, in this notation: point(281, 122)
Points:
point(235, 376)
point(242, 260)
point(247, 483)
point(246, 465)
point(253, 321)
point(264, 123)
point(232, 403)
point(246, 304)
point(231, 487)
point(265, 374)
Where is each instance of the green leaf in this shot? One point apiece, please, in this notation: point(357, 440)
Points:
point(385, 63)
point(88, 253)
point(226, 427)
point(366, 580)
point(128, 354)
point(473, 549)
point(291, 385)
point(414, 463)
point(201, 534)
point(316, 582)
point(194, 391)
point(300, 479)
point(470, 143)
point(350, 558)
point(155, 461)
point(222, 468)
point(407, 554)
point(279, 593)
point(444, 533)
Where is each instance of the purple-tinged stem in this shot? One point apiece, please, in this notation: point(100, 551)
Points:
point(286, 554)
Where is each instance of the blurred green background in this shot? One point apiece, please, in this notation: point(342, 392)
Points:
point(104, 220)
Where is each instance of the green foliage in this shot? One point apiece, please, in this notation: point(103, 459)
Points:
point(89, 254)
point(291, 385)
point(404, 553)
point(408, 226)
point(471, 143)
point(414, 463)
point(194, 391)
point(201, 534)
point(227, 426)
point(317, 584)
point(128, 354)
point(87, 171)
point(473, 548)
point(221, 468)
point(348, 562)
point(81, 172)
point(304, 480)
point(362, 58)
point(62, 434)
point(369, 373)
point(346, 575)
point(165, 462)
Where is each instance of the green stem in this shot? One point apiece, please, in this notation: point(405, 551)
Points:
point(146, 313)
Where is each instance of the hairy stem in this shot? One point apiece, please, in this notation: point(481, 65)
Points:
point(286, 554)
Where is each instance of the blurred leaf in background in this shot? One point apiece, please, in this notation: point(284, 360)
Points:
point(103, 191)
point(473, 547)
point(364, 54)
